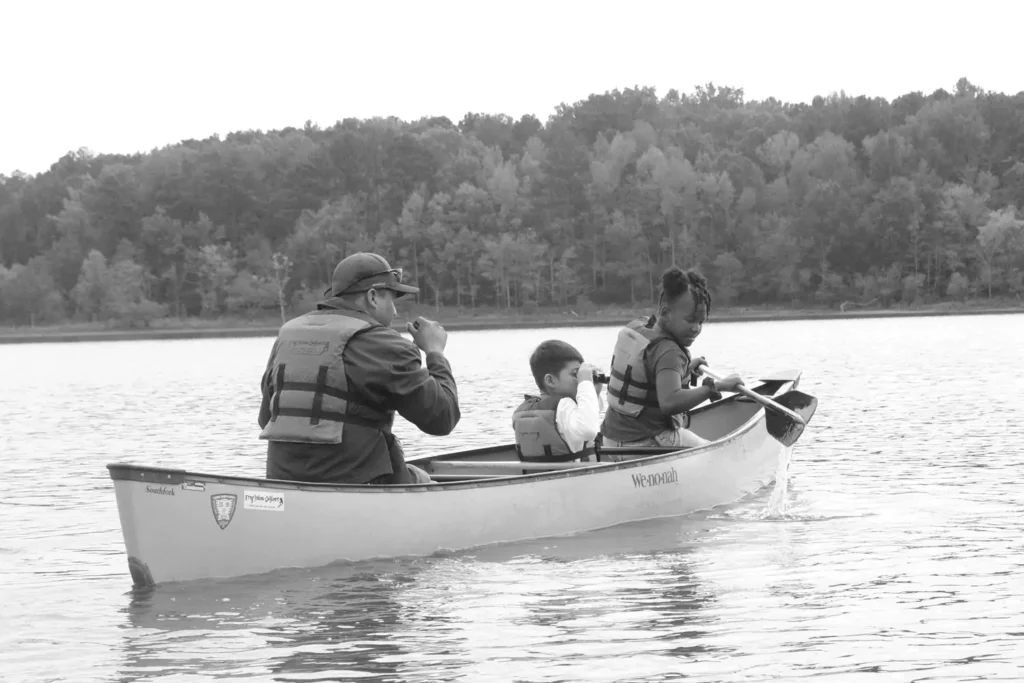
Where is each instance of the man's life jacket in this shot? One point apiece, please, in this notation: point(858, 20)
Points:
point(309, 390)
point(537, 437)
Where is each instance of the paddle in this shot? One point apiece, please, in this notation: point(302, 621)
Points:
point(786, 416)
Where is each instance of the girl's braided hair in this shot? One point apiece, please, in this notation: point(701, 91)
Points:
point(676, 282)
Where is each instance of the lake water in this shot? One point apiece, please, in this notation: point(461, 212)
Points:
point(901, 556)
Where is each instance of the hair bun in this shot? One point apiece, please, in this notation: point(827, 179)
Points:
point(674, 282)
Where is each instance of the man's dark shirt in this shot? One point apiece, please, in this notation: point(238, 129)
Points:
point(385, 369)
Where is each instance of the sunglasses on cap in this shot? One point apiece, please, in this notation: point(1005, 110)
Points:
point(394, 278)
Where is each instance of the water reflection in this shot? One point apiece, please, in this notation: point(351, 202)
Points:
point(477, 619)
point(615, 595)
point(336, 620)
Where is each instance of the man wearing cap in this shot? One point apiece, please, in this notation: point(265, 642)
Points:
point(337, 376)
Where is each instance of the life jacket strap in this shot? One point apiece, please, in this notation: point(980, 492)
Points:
point(332, 417)
point(319, 389)
point(649, 399)
point(628, 381)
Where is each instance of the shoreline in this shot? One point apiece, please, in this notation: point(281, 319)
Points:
point(44, 335)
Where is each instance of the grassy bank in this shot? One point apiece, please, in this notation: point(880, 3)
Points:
point(194, 328)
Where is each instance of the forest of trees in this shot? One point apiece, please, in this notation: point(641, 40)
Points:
point(843, 199)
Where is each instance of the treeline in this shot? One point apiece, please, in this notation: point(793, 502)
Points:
point(843, 199)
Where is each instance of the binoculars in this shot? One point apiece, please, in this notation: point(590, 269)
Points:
point(600, 378)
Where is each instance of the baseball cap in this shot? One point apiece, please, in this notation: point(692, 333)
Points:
point(361, 272)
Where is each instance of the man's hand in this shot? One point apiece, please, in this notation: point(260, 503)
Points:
point(428, 335)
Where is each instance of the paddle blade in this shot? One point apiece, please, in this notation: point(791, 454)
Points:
point(800, 403)
point(782, 428)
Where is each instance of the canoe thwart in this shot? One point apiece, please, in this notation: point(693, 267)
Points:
point(636, 450)
point(465, 477)
point(448, 465)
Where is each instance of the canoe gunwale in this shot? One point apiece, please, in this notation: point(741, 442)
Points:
point(174, 477)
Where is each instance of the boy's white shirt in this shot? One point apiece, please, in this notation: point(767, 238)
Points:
point(579, 421)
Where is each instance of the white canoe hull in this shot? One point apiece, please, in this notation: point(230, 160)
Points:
point(182, 526)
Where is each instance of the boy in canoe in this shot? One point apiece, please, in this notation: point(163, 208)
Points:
point(561, 424)
point(649, 397)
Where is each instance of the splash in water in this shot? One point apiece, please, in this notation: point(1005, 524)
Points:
point(778, 502)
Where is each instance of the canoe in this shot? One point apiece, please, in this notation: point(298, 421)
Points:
point(181, 526)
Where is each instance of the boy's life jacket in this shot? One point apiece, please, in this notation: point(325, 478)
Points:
point(536, 430)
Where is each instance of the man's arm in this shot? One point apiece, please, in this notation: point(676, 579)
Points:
point(264, 416)
point(388, 368)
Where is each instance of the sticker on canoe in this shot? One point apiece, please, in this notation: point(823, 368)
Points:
point(193, 486)
point(642, 481)
point(263, 500)
point(223, 505)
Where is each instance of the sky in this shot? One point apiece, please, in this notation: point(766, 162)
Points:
point(124, 77)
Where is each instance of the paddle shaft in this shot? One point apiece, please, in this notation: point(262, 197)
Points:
point(763, 400)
